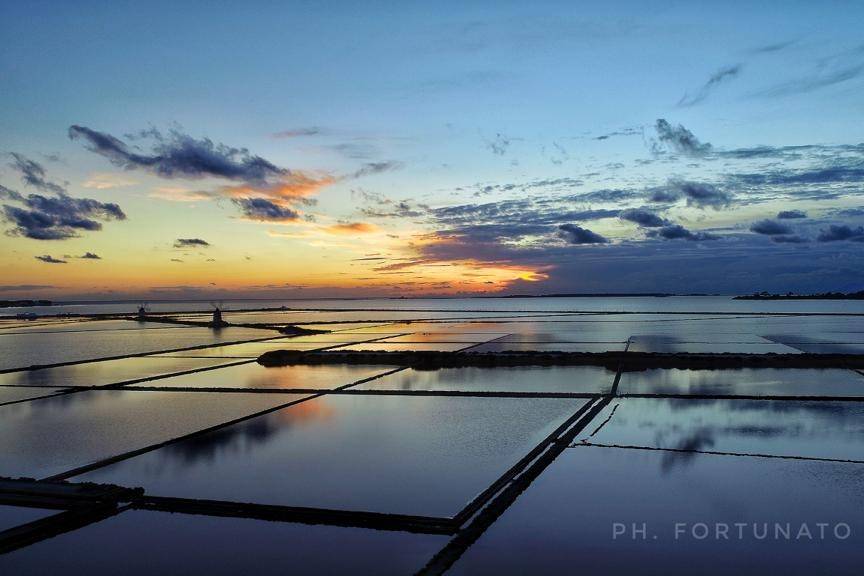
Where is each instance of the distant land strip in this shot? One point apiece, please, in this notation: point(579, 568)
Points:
point(790, 296)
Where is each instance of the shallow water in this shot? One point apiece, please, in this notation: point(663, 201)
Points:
point(397, 454)
point(255, 376)
point(41, 348)
point(583, 379)
point(53, 435)
point(567, 516)
point(145, 543)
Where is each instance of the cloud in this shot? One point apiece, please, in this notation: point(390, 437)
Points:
point(180, 194)
point(49, 259)
point(178, 155)
point(723, 75)
point(263, 191)
point(352, 228)
point(678, 139)
point(770, 228)
point(264, 210)
point(56, 218)
point(643, 217)
point(775, 47)
point(297, 132)
point(190, 243)
point(33, 174)
point(678, 232)
point(838, 232)
point(90, 256)
point(697, 194)
point(818, 79)
point(498, 145)
point(107, 181)
point(791, 214)
point(379, 206)
point(577, 235)
point(838, 170)
point(16, 287)
point(790, 239)
point(376, 168)
point(623, 132)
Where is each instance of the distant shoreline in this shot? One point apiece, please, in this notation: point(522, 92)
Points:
point(790, 296)
point(24, 303)
point(356, 298)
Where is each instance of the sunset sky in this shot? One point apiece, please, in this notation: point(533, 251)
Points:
point(306, 149)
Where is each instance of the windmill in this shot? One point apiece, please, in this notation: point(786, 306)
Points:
point(143, 309)
point(217, 321)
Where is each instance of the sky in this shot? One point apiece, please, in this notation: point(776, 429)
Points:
point(327, 149)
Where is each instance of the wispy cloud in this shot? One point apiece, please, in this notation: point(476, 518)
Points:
point(33, 174)
point(719, 77)
point(298, 132)
point(50, 259)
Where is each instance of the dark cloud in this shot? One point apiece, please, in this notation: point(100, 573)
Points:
point(837, 171)
point(643, 217)
point(264, 210)
point(90, 256)
point(789, 239)
point(605, 195)
point(56, 218)
point(376, 168)
point(33, 174)
point(850, 212)
point(697, 194)
point(770, 228)
point(678, 232)
point(723, 75)
point(678, 139)
point(190, 243)
point(179, 155)
point(820, 78)
point(838, 232)
point(50, 259)
point(512, 219)
point(577, 235)
point(622, 132)
point(791, 214)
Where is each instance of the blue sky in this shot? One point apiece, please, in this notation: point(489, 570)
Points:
point(483, 138)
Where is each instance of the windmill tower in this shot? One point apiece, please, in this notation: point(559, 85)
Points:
point(217, 321)
point(141, 315)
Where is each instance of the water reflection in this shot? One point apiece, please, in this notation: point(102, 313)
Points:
point(586, 490)
point(702, 439)
point(398, 454)
point(48, 436)
point(594, 379)
point(792, 428)
point(254, 376)
point(247, 435)
point(745, 381)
